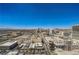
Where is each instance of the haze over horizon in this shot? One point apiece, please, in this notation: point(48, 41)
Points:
point(20, 15)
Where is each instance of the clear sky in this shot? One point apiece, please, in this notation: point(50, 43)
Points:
point(38, 15)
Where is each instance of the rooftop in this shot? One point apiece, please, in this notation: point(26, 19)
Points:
point(8, 43)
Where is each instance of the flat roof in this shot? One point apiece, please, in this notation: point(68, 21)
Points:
point(8, 43)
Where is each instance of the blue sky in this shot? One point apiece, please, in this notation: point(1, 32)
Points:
point(38, 15)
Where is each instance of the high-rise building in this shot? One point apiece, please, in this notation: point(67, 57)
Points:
point(75, 32)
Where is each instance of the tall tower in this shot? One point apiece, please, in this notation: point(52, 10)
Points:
point(75, 32)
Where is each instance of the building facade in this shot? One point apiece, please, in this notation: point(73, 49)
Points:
point(75, 32)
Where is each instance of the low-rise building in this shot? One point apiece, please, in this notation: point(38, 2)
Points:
point(8, 45)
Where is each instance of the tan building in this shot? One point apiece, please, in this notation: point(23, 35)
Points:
point(75, 32)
